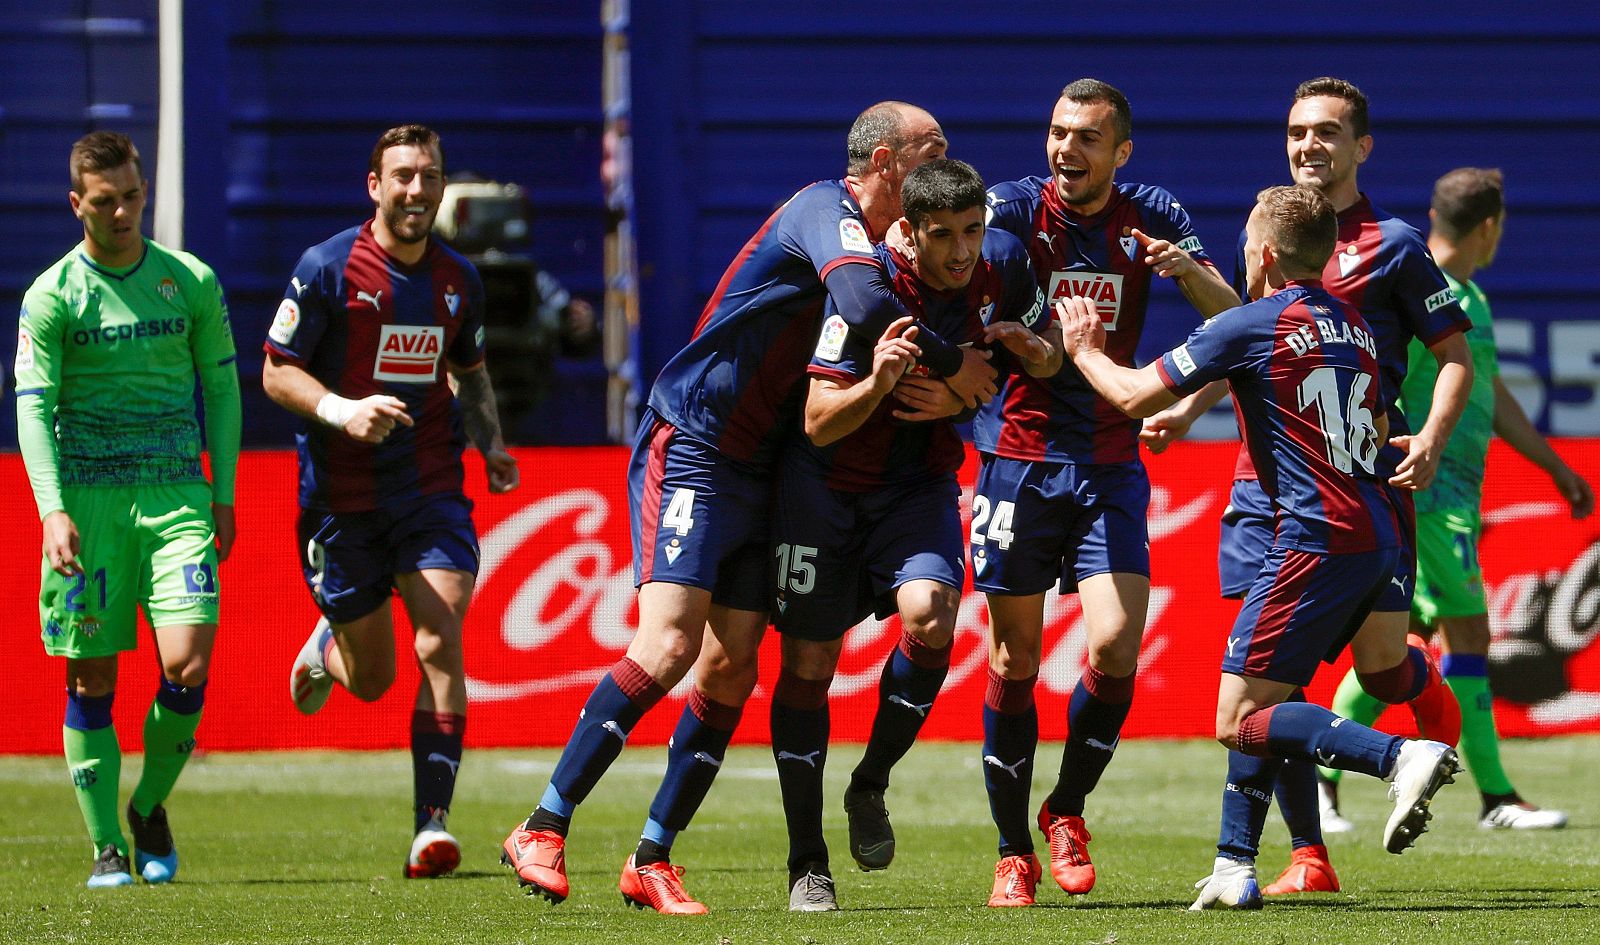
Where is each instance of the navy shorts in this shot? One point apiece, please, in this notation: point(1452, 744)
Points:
point(1248, 528)
point(1035, 524)
point(1303, 609)
point(350, 559)
point(839, 556)
point(698, 518)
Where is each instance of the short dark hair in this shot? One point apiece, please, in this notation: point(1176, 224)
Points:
point(1466, 197)
point(1085, 91)
point(1301, 225)
point(101, 151)
point(419, 135)
point(940, 185)
point(1338, 88)
point(882, 125)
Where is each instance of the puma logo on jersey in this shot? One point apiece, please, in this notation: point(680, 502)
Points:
point(1104, 289)
point(1009, 769)
point(375, 299)
point(300, 287)
point(921, 710)
point(451, 763)
point(408, 353)
point(1049, 239)
point(809, 757)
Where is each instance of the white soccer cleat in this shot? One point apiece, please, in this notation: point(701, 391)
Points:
point(309, 682)
point(434, 852)
point(1520, 815)
point(1419, 772)
point(1328, 808)
point(1231, 885)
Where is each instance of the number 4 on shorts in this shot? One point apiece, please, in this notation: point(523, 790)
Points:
point(680, 512)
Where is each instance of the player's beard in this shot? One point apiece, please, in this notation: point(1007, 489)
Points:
point(405, 228)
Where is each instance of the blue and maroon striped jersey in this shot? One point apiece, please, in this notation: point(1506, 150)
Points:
point(1305, 371)
point(1062, 419)
point(1381, 265)
point(363, 323)
point(885, 451)
point(735, 385)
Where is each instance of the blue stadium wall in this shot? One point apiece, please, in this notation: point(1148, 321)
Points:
point(736, 105)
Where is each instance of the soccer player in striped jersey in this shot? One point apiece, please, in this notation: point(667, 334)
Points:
point(868, 517)
point(1467, 216)
point(375, 325)
point(109, 342)
point(1307, 377)
point(1062, 496)
point(700, 492)
point(1382, 267)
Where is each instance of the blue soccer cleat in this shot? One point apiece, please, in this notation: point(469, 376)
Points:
point(154, 855)
point(110, 869)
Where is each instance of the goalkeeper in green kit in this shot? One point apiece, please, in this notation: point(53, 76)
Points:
point(1467, 217)
point(109, 342)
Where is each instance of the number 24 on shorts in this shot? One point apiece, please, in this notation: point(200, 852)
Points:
point(999, 523)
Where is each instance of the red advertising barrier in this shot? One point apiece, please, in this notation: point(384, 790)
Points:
point(555, 608)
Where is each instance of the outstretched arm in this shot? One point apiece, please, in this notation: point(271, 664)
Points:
point(1199, 282)
point(1513, 426)
point(1137, 392)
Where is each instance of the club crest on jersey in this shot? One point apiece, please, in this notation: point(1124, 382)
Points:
point(1104, 289)
point(24, 350)
point(853, 236)
point(452, 300)
point(1348, 261)
point(285, 322)
point(1440, 299)
point(408, 353)
point(986, 310)
point(830, 344)
point(1128, 244)
point(167, 288)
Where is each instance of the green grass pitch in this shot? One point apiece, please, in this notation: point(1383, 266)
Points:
point(307, 847)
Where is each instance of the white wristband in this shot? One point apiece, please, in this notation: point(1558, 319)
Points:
point(335, 411)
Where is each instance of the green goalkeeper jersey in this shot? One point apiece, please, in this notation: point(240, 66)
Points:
point(1459, 484)
point(105, 374)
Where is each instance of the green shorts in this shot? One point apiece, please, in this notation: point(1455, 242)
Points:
point(149, 546)
point(1449, 578)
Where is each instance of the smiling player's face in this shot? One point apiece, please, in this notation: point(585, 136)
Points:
point(407, 190)
point(1324, 151)
point(949, 247)
point(1084, 153)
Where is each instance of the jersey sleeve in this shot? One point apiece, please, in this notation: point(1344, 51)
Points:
point(824, 231)
point(467, 350)
point(1008, 210)
point(1219, 346)
point(841, 354)
point(214, 358)
point(1427, 303)
point(1240, 277)
point(1168, 220)
point(302, 314)
point(41, 333)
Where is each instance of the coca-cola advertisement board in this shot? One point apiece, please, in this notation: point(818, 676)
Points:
point(555, 608)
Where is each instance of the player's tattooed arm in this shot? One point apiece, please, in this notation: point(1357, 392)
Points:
point(480, 415)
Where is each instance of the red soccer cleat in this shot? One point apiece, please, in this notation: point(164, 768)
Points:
point(1069, 851)
point(1308, 871)
point(1015, 880)
point(540, 859)
point(1437, 713)
point(657, 886)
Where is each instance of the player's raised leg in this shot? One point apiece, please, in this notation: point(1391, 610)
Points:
point(1010, 740)
point(912, 677)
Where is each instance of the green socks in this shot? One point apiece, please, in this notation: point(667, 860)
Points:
point(95, 761)
point(1480, 743)
point(168, 742)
